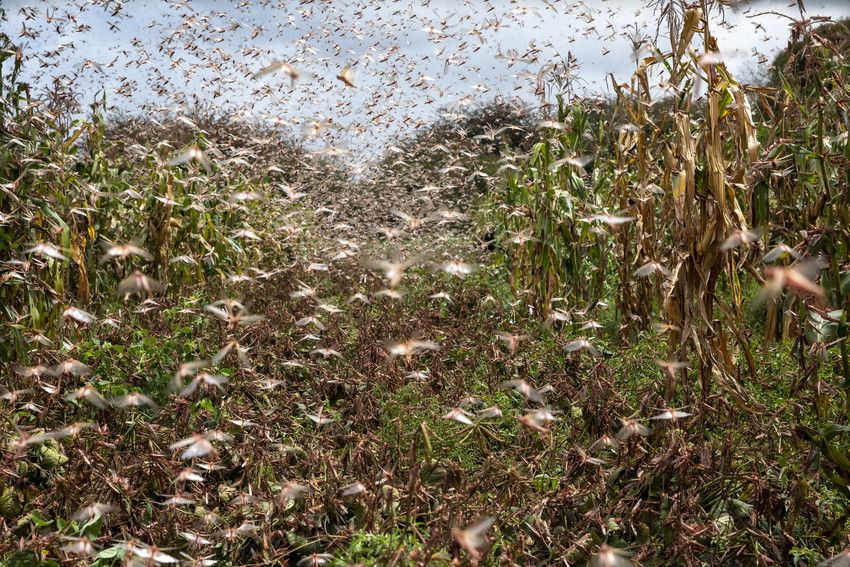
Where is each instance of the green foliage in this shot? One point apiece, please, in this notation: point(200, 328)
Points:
point(542, 215)
point(370, 548)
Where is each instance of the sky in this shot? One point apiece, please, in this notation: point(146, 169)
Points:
point(410, 59)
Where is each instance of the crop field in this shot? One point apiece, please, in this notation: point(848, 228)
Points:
point(358, 283)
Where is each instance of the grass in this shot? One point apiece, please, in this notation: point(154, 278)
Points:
point(390, 417)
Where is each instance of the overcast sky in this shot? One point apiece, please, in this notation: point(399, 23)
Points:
point(409, 58)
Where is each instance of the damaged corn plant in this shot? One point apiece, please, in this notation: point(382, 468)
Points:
point(686, 198)
point(601, 330)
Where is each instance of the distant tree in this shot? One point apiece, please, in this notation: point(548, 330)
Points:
point(465, 142)
point(813, 59)
point(270, 154)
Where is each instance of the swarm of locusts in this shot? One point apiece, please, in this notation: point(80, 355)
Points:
point(554, 329)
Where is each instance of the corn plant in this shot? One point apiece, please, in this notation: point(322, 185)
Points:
point(552, 248)
point(703, 174)
point(63, 207)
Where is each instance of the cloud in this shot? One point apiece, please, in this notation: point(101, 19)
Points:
point(204, 52)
